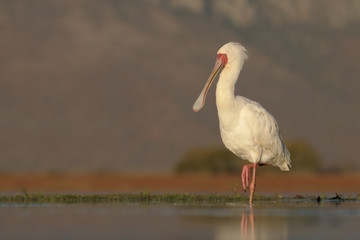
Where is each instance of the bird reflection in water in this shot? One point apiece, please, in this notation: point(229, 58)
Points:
point(248, 224)
point(253, 223)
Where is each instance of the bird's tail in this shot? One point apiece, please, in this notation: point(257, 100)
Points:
point(286, 161)
point(285, 167)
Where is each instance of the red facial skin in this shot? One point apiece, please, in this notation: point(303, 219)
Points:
point(223, 58)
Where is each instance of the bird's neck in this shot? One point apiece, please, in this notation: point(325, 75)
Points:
point(226, 103)
point(225, 97)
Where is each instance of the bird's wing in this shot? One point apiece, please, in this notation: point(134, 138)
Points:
point(264, 128)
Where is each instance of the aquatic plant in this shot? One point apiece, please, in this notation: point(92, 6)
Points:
point(148, 197)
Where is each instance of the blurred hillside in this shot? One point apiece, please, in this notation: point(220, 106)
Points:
point(218, 159)
point(109, 85)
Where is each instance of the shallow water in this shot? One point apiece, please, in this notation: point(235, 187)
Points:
point(264, 220)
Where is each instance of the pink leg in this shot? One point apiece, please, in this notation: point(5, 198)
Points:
point(245, 177)
point(253, 183)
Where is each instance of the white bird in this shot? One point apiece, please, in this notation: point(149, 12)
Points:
point(247, 129)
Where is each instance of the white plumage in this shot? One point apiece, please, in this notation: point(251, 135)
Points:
point(247, 129)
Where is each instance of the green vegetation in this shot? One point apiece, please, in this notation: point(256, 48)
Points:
point(147, 197)
point(142, 197)
point(303, 156)
point(220, 160)
point(209, 159)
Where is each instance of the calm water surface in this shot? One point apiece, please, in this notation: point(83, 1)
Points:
point(265, 220)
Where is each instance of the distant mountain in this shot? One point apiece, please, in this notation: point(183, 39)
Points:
point(109, 85)
point(246, 13)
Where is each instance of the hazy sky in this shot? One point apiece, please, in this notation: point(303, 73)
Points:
point(109, 85)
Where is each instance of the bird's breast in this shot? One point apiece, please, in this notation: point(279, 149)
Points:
point(237, 139)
